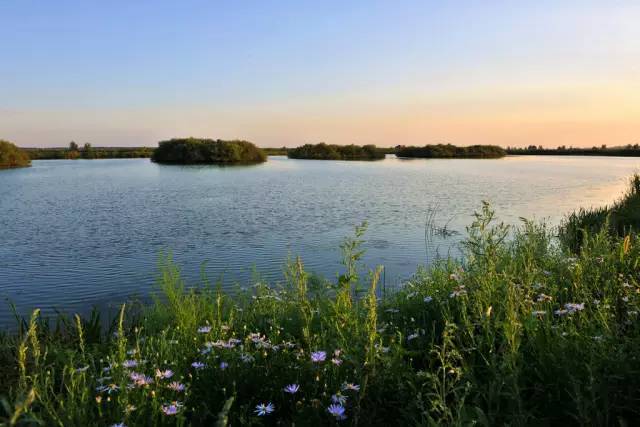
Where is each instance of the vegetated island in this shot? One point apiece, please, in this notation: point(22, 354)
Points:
point(449, 151)
point(207, 151)
point(12, 156)
point(87, 151)
point(324, 151)
point(629, 150)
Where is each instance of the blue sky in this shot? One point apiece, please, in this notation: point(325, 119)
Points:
point(286, 73)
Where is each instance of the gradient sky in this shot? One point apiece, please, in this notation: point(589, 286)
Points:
point(118, 73)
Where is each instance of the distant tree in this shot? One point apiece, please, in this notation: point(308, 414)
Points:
point(604, 146)
point(87, 151)
point(73, 146)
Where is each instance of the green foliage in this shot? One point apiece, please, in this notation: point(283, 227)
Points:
point(623, 151)
point(197, 151)
point(12, 156)
point(89, 152)
point(619, 219)
point(521, 332)
point(324, 151)
point(451, 151)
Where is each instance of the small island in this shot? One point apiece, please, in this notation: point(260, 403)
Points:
point(324, 151)
point(448, 151)
point(207, 151)
point(12, 156)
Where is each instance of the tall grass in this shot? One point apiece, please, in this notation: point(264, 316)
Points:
point(621, 218)
point(522, 332)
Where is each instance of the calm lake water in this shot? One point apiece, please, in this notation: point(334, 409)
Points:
point(74, 234)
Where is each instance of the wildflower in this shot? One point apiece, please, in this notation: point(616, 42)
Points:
point(597, 338)
point(224, 365)
point(173, 342)
point(292, 388)
point(560, 312)
point(132, 352)
point(336, 361)
point(171, 409)
point(98, 399)
point(596, 301)
point(572, 308)
point(264, 409)
point(129, 363)
point(350, 386)
point(411, 294)
point(122, 424)
point(176, 386)
point(392, 310)
point(428, 299)
point(625, 299)
point(204, 329)
point(455, 276)
point(339, 398)
point(168, 373)
point(318, 356)
point(198, 365)
point(246, 358)
point(111, 388)
point(413, 336)
point(632, 312)
point(337, 411)
point(130, 408)
point(140, 380)
point(538, 313)
point(82, 369)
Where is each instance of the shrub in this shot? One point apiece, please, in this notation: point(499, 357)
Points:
point(324, 151)
point(12, 156)
point(198, 151)
point(451, 151)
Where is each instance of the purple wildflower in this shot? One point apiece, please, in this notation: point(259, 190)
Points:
point(292, 388)
point(337, 411)
point(167, 373)
point(350, 386)
point(224, 365)
point(171, 409)
point(198, 365)
point(339, 398)
point(176, 386)
point(264, 409)
point(129, 363)
point(318, 356)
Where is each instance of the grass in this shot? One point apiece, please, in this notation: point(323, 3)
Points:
point(521, 332)
point(620, 219)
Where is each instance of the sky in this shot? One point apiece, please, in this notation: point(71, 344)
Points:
point(285, 73)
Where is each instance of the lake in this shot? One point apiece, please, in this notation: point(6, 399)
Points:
point(79, 233)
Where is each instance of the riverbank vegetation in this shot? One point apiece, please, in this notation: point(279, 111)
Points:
point(197, 151)
point(523, 330)
point(630, 150)
point(324, 151)
point(87, 151)
point(441, 151)
point(12, 156)
point(619, 219)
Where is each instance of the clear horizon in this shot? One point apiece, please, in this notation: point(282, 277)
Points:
point(285, 74)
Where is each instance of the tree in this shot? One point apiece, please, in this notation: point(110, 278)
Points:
point(73, 146)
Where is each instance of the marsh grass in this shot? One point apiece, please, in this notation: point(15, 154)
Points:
point(522, 332)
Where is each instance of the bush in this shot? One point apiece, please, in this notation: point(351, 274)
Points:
point(198, 151)
point(324, 151)
point(451, 151)
point(12, 156)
